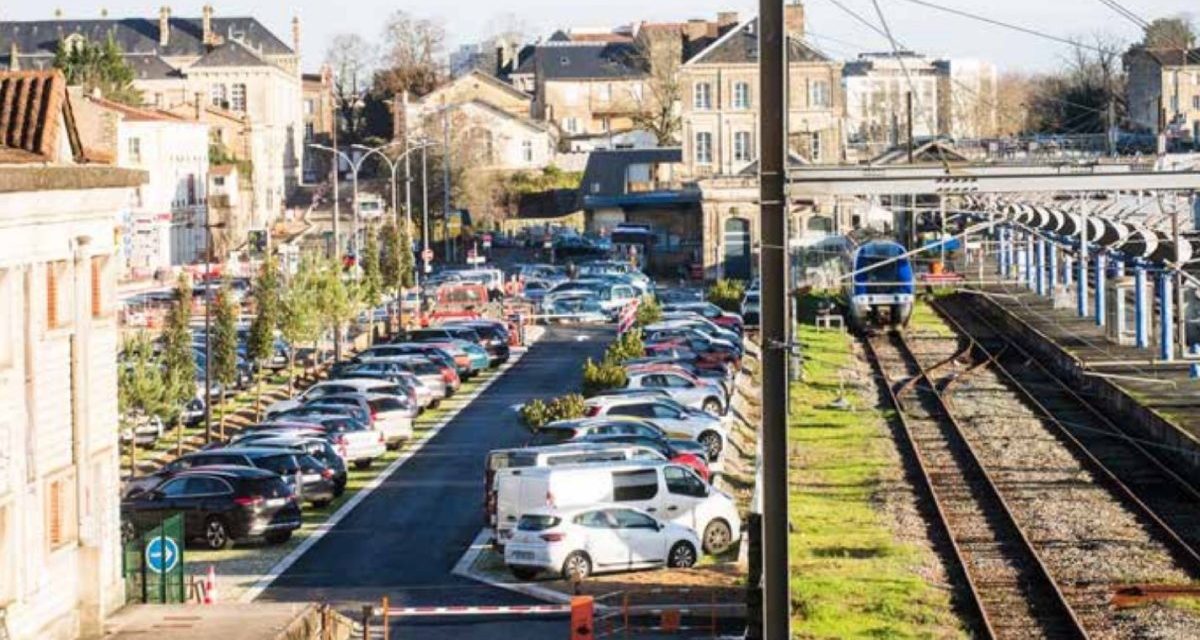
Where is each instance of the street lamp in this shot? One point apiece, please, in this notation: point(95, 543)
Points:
point(208, 250)
point(354, 167)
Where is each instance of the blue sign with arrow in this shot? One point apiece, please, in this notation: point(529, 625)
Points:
point(162, 554)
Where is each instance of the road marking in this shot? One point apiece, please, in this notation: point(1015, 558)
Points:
point(465, 568)
point(287, 561)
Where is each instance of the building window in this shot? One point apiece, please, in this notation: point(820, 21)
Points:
point(1196, 102)
point(57, 300)
point(309, 107)
point(135, 150)
point(742, 149)
point(527, 151)
point(636, 92)
point(814, 146)
point(818, 94)
point(60, 512)
point(703, 147)
point(100, 294)
point(570, 125)
point(741, 95)
point(310, 132)
point(219, 181)
point(218, 95)
point(702, 95)
point(1174, 104)
point(191, 189)
point(237, 100)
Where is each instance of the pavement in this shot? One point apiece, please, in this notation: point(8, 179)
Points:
point(405, 538)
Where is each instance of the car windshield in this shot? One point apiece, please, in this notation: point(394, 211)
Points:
point(537, 522)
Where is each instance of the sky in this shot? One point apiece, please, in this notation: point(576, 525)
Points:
point(920, 28)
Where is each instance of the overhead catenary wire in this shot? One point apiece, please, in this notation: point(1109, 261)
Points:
point(1006, 25)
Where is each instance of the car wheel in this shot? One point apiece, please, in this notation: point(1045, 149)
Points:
point(362, 464)
point(216, 534)
point(717, 537)
point(577, 567)
point(278, 537)
point(712, 444)
point(682, 556)
point(713, 406)
point(523, 573)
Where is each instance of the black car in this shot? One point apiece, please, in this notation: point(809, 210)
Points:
point(315, 409)
point(316, 446)
point(493, 338)
point(220, 505)
point(317, 479)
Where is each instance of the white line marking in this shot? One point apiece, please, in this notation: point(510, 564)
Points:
point(466, 564)
point(287, 561)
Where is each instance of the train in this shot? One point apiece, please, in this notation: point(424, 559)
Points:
point(880, 297)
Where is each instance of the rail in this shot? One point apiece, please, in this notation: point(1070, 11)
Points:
point(981, 525)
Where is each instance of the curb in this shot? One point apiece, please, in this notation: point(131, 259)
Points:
point(465, 568)
point(287, 561)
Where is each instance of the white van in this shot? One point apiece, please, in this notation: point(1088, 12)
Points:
point(574, 453)
point(665, 490)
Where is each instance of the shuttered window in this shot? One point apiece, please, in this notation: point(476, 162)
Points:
point(52, 294)
point(101, 296)
point(60, 513)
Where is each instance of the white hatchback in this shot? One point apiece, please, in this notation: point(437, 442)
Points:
point(576, 543)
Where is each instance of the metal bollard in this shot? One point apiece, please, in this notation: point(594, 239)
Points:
point(386, 626)
point(367, 612)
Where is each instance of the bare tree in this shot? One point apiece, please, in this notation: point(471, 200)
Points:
point(1013, 92)
point(413, 59)
point(659, 53)
point(352, 60)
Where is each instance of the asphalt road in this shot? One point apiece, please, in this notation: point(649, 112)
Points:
point(403, 540)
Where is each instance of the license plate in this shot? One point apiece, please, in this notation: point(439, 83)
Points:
point(276, 502)
point(522, 555)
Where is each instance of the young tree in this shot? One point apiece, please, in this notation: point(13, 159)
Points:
point(179, 364)
point(332, 300)
point(389, 264)
point(372, 277)
point(223, 345)
point(1169, 33)
point(298, 321)
point(260, 344)
point(413, 59)
point(659, 52)
point(408, 266)
point(97, 65)
point(142, 393)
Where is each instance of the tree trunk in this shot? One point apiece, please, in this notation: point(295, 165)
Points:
point(221, 420)
point(291, 369)
point(258, 395)
point(133, 453)
point(178, 435)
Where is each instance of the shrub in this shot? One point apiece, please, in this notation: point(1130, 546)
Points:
point(568, 407)
point(727, 294)
point(626, 347)
point(602, 377)
point(648, 312)
point(535, 413)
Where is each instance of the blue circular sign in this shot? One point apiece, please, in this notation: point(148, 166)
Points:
point(162, 554)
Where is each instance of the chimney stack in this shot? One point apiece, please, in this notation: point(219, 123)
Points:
point(206, 31)
point(164, 26)
point(695, 29)
point(726, 20)
point(504, 57)
point(14, 57)
point(793, 19)
point(296, 34)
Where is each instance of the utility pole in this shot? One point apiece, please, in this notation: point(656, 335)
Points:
point(337, 211)
point(425, 203)
point(772, 270)
point(908, 107)
point(1180, 319)
point(446, 182)
point(408, 205)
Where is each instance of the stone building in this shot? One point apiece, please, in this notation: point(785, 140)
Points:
point(317, 91)
point(1164, 83)
point(877, 88)
point(234, 64)
point(60, 541)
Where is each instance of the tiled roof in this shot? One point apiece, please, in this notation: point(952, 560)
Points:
point(230, 54)
point(135, 114)
point(140, 35)
point(740, 46)
point(581, 61)
point(31, 103)
point(607, 170)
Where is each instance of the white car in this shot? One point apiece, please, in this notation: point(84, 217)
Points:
point(698, 393)
point(579, 542)
point(332, 387)
point(678, 420)
point(393, 417)
point(666, 490)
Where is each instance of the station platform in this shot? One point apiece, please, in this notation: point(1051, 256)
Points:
point(1160, 398)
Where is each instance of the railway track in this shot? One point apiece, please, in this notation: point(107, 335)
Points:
point(1133, 470)
point(1009, 590)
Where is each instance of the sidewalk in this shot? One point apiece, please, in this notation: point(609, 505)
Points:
point(259, 621)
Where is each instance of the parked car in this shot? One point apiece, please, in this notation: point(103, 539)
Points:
point(354, 441)
point(685, 389)
point(577, 543)
point(671, 490)
point(418, 392)
point(575, 307)
point(710, 311)
point(316, 479)
point(699, 323)
point(672, 417)
point(751, 306)
point(332, 387)
point(311, 443)
point(686, 452)
point(494, 336)
point(431, 374)
point(220, 505)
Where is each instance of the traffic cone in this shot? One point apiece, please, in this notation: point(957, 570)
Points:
point(210, 586)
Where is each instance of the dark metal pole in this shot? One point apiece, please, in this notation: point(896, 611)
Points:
point(446, 183)
point(207, 339)
point(908, 100)
point(772, 270)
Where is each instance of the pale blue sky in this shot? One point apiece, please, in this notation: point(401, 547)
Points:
point(467, 20)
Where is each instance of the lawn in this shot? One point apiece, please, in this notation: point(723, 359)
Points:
point(850, 578)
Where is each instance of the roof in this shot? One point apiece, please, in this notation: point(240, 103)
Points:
point(140, 35)
point(151, 67)
point(554, 203)
point(582, 61)
point(606, 171)
point(31, 105)
point(476, 75)
point(935, 150)
point(134, 114)
point(795, 160)
point(222, 169)
point(528, 123)
point(230, 54)
point(1169, 57)
point(740, 46)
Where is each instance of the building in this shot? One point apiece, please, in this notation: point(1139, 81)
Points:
point(317, 91)
point(166, 218)
point(720, 103)
point(235, 64)
point(589, 91)
point(967, 94)
point(1163, 84)
point(60, 542)
point(878, 86)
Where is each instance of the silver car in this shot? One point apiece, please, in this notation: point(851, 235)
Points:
point(697, 393)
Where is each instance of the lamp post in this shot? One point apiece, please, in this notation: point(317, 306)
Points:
point(208, 250)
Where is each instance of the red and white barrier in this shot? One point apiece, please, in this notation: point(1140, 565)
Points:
point(628, 316)
point(537, 609)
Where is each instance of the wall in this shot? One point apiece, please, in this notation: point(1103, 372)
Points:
point(597, 106)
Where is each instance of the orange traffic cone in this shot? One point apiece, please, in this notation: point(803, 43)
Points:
point(210, 586)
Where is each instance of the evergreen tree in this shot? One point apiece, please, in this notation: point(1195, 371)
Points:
point(223, 345)
point(407, 262)
point(260, 344)
point(98, 66)
point(179, 364)
point(389, 264)
point(142, 393)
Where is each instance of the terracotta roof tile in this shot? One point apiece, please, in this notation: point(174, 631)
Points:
point(30, 103)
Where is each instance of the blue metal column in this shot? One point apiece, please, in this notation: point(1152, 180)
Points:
point(1003, 254)
point(1166, 320)
point(1081, 282)
point(1140, 324)
point(1041, 266)
point(1053, 267)
point(1101, 274)
point(1030, 272)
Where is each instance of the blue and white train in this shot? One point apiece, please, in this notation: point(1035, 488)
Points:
point(880, 293)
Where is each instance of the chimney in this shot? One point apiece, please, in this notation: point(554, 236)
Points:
point(504, 57)
point(296, 34)
point(726, 20)
point(164, 26)
point(206, 32)
point(199, 105)
point(14, 59)
point(793, 19)
point(695, 29)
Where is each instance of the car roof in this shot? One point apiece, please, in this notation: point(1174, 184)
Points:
point(353, 382)
point(574, 511)
point(615, 465)
point(249, 450)
point(228, 470)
